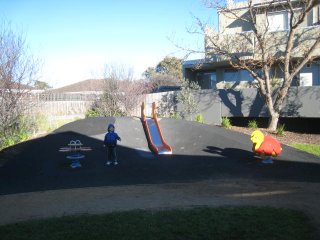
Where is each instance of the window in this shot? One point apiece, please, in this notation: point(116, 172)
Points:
point(207, 80)
point(245, 76)
point(234, 75)
point(277, 21)
point(213, 79)
point(231, 75)
point(316, 15)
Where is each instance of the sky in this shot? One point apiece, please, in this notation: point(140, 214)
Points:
point(75, 39)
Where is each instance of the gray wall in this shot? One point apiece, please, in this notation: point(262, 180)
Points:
point(302, 102)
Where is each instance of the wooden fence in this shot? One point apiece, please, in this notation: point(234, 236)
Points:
point(64, 108)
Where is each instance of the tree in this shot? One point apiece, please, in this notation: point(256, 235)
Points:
point(171, 66)
point(260, 49)
point(121, 93)
point(18, 70)
point(168, 72)
point(41, 85)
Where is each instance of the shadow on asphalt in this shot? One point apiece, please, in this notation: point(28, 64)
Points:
point(37, 165)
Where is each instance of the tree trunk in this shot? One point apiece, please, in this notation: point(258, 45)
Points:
point(273, 121)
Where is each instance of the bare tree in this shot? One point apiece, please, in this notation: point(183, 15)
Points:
point(121, 93)
point(110, 102)
point(18, 70)
point(259, 48)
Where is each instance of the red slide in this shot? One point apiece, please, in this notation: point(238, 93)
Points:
point(153, 132)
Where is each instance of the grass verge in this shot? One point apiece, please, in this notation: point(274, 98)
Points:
point(199, 223)
point(310, 148)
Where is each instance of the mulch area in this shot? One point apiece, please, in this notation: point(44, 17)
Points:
point(288, 138)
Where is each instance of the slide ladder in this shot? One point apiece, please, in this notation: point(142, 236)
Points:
point(153, 132)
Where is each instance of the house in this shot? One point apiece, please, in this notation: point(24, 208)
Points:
point(15, 87)
point(86, 86)
point(236, 36)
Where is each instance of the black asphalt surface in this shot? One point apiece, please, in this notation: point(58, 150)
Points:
point(200, 152)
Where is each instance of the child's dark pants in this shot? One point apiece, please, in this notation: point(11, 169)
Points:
point(111, 154)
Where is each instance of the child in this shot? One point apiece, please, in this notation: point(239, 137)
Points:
point(110, 141)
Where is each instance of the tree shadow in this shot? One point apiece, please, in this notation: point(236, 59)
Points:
point(230, 152)
point(232, 99)
point(238, 22)
point(256, 105)
point(292, 103)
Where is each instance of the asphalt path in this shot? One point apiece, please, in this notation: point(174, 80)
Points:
point(200, 152)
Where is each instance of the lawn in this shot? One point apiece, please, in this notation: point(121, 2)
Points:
point(199, 223)
point(310, 148)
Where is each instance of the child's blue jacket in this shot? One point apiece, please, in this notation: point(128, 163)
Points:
point(110, 139)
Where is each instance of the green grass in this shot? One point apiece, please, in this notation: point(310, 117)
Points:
point(310, 148)
point(254, 223)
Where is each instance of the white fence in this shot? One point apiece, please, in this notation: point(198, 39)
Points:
point(63, 108)
point(165, 102)
point(77, 104)
point(80, 96)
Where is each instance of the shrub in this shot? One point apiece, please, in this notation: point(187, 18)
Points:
point(187, 99)
point(280, 130)
point(18, 132)
point(92, 113)
point(175, 115)
point(253, 124)
point(6, 142)
point(226, 122)
point(22, 136)
point(199, 118)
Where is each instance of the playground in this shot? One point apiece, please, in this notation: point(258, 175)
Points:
point(208, 166)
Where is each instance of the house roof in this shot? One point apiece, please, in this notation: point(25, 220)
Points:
point(89, 85)
point(14, 85)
